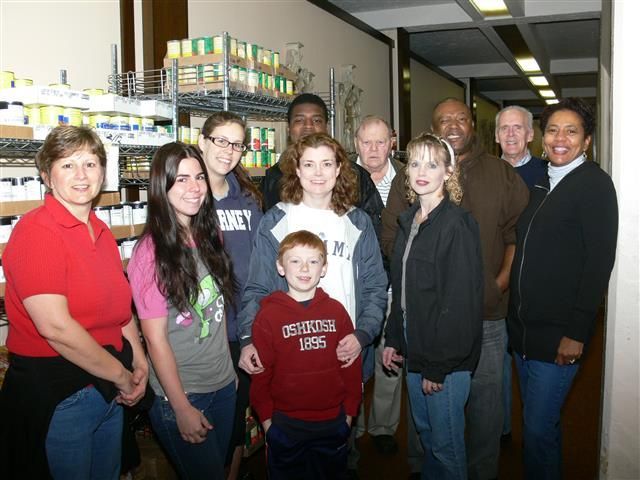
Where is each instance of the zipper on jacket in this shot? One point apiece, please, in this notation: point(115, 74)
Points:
point(524, 245)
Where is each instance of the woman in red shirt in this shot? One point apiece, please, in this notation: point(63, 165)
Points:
point(75, 351)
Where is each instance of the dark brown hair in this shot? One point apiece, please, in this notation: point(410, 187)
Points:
point(242, 175)
point(302, 238)
point(345, 192)
point(176, 267)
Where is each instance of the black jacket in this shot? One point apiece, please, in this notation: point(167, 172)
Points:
point(32, 389)
point(444, 293)
point(566, 245)
point(370, 200)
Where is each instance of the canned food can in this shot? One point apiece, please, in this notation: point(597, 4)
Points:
point(96, 91)
point(135, 124)
point(283, 85)
point(205, 73)
point(276, 82)
point(33, 115)
point(22, 82)
point(254, 138)
point(252, 78)
point(5, 229)
point(147, 124)
point(193, 136)
point(139, 212)
point(257, 158)
point(6, 79)
point(127, 213)
point(276, 60)
point(51, 115)
point(217, 44)
point(127, 246)
point(242, 49)
point(289, 87)
point(205, 45)
point(249, 159)
point(173, 49)
point(32, 188)
point(267, 56)
point(186, 47)
point(188, 75)
point(272, 159)
point(73, 116)
point(185, 134)
point(99, 121)
point(242, 75)
point(258, 54)
point(120, 122)
point(271, 139)
point(234, 73)
point(233, 46)
point(264, 138)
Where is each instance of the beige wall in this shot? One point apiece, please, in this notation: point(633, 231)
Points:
point(328, 41)
point(485, 116)
point(427, 89)
point(620, 435)
point(38, 38)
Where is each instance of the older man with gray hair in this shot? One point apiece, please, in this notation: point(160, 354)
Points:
point(514, 132)
point(374, 142)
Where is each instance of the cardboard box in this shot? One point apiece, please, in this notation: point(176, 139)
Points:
point(16, 131)
point(156, 110)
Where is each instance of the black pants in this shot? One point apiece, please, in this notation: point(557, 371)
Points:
point(298, 449)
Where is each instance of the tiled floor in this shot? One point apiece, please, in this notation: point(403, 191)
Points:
point(580, 423)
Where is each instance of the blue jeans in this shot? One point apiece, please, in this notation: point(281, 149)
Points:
point(484, 410)
point(439, 420)
point(197, 460)
point(544, 387)
point(506, 390)
point(85, 437)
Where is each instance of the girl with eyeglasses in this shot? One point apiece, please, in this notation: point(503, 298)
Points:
point(435, 324)
point(182, 285)
point(238, 206)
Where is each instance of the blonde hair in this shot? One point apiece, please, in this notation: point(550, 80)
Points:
point(440, 151)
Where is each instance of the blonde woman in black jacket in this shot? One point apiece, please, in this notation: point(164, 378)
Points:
point(436, 314)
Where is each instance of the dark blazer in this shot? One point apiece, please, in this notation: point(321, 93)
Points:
point(443, 290)
point(565, 250)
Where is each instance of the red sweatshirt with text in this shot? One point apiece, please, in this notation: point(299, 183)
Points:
point(302, 376)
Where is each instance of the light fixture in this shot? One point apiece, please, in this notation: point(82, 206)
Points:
point(551, 101)
point(547, 93)
point(539, 81)
point(528, 64)
point(491, 8)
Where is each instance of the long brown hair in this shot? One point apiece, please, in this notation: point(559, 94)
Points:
point(176, 268)
point(242, 175)
point(345, 192)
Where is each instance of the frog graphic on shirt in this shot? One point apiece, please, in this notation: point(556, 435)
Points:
point(207, 307)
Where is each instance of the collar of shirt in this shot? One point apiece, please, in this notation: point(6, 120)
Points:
point(523, 161)
point(391, 172)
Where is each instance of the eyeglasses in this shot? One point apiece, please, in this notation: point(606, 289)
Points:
point(224, 143)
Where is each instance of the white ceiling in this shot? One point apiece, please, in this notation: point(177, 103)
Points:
point(563, 35)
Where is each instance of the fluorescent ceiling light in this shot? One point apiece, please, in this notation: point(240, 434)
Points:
point(491, 7)
point(547, 93)
point(528, 64)
point(539, 81)
point(551, 101)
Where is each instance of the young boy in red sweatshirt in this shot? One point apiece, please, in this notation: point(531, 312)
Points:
point(305, 397)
